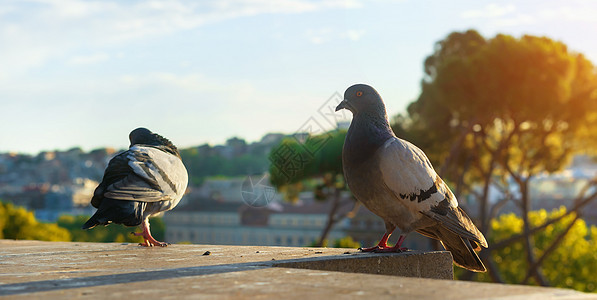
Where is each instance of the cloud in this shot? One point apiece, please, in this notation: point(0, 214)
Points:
point(138, 19)
point(505, 15)
point(41, 30)
point(7, 9)
point(489, 11)
point(508, 15)
point(354, 35)
point(516, 20)
point(324, 35)
point(571, 13)
point(319, 36)
point(89, 59)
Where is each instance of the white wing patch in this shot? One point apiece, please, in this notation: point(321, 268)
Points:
point(408, 173)
point(163, 168)
point(164, 176)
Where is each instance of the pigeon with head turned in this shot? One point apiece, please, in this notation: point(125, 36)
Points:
point(395, 180)
point(145, 180)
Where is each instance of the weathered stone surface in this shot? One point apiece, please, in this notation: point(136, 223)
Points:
point(49, 270)
point(437, 265)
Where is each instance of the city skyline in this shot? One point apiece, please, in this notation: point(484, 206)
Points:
point(84, 73)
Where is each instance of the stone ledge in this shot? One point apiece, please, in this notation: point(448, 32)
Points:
point(53, 270)
point(436, 265)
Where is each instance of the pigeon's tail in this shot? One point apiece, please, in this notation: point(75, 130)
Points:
point(462, 249)
point(128, 213)
point(92, 222)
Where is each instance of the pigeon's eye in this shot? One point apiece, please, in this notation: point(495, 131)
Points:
point(359, 94)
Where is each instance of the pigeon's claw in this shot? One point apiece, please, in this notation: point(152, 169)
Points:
point(383, 243)
point(390, 250)
point(382, 246)
point(145, 244)
point(148, 240)
point(373, 249)
point(149, 244)
point(397, 248)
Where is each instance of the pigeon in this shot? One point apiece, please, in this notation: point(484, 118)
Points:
point(395, 180)
point(143, 181)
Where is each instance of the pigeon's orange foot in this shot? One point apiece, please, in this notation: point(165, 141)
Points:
point(147, 243)
point(383, 244)
point(148, 240)
point(395, 248)
point(390, 250)
point(373, 249)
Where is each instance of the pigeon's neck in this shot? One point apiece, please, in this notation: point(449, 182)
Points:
point(367, 132)
point(166, 148)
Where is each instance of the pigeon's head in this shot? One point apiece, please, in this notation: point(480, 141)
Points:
point(362, 98)
point(143, 136)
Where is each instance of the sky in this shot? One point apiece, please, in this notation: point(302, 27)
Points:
point(85, 73)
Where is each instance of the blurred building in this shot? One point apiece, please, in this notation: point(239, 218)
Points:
point(367, 229)
point(547, 191)
point(343, 125)
point(217, 213)
point(67, 199)
point(209, 222)
point(52, 182)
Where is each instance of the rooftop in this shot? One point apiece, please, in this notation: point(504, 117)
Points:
point(59, 270)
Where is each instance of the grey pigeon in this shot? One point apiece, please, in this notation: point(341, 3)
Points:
point(145, 180)
point(395, 180)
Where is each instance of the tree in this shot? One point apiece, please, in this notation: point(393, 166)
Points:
point(295, 161)
point(571, 265)
point(109, 234)
point(206, 163)
point(498, 112)
point(345, 242)
point(20, 224)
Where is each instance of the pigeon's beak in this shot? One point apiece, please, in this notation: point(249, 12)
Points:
point(342, 105)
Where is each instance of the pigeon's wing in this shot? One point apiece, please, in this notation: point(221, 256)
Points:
point(154, 175)
point(117, 170)
point(409, 175)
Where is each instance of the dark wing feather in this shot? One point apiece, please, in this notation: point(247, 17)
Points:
point(462, 249)
point(134, 188)
point(457, 221)
point(408, 173)
point(132, 176)
point(148, 179)
point(117, 170)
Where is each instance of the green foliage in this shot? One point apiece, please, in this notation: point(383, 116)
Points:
point(571, 265)
point(206, 164)
point(20, 224)
point(500, 110)
point(313, 164)
point(293, 161)
point(111, 233)
point(345, 242)
point(527, 103)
